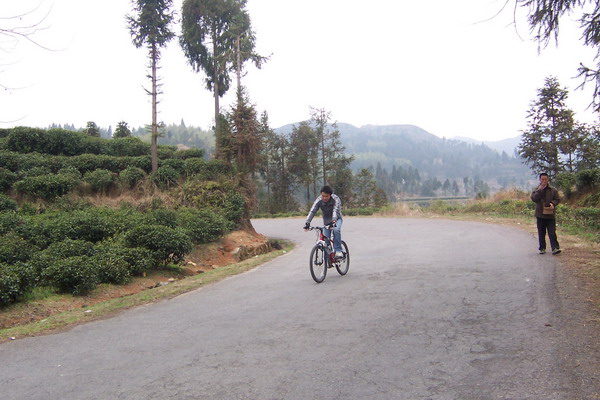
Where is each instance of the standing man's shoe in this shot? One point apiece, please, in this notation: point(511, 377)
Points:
point(556, 251)
point(542, 251)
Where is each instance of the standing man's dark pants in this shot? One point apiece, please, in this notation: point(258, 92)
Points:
point(543, 225)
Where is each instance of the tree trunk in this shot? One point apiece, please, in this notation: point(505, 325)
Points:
point(216, 95)
point(154, 134)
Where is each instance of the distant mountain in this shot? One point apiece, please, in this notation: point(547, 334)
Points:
point(507, 145)
point(407, 146)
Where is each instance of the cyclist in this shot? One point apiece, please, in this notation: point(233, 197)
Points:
point(331, 206)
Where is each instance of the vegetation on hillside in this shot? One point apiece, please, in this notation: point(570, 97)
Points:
point(53, 234)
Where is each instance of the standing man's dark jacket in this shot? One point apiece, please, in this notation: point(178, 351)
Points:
point(543, 198)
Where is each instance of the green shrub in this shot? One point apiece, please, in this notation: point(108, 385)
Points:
point(72, 172)
point(176, 164)
point(206, 170)
point(128, 147)
point(10, 286)
point(46, 187)
point(75, 275)
point(138, 259)
point(111, 267)
point(89, 225)
point(165, 177)
point(588, 179)
point(26, 140)
point(10, 221)
point(203, 226)
point(70, 248)
point(14, 248)
point(223, 198)
point(167, 244)
point(166, 151)
point(7, 204)
point(36, 171)
point(131, 176)
point(99, 179)
point(566, 182)
point(27, 278)
point(162, 216)
point(7, 179)
point(234, 207)
point(63, 142)
point(189, 153)
point(21, 162)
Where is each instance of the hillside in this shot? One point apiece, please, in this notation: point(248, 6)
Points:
point(410, 146)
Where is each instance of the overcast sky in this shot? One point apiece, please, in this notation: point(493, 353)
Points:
point(441, 65)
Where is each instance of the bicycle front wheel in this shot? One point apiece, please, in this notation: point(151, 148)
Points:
point(342, 265)
point(318, 264)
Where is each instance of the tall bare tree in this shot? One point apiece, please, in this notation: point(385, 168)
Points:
point(150, 26)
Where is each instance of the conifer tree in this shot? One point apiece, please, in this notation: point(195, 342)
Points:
point(150, 26)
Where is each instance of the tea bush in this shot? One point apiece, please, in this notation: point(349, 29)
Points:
point(162, 216)
point(165, 177)
point(100, 180)
point(138, 259)
point(206, 170)
point(46, 187)
point(202, 225)
point(7, 204)
point(128, 147)
point(189, 153)
point(131, 176)
point(176, 164)
point(14, 248)
point(222, 198)
point(15, 280)
point(111, 267)
point(10, 285)
point(167, 244)
point(10, 221)
point(588, 179)
point(7, 179)
point(75, 275)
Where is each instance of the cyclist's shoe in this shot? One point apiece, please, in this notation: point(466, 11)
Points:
point(556, 251)
point(339, 254)
point(543, 251)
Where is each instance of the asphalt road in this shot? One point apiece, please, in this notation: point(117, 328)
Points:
point(430, 309)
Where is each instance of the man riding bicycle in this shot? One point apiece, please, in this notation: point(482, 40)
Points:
point(331, 206)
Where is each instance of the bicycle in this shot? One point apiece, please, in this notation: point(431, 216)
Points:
point(322, 256)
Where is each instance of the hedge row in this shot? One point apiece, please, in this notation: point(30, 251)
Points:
point(74, 251)
point(40, 182)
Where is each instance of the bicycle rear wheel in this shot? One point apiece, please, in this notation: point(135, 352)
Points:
point(342, 265)
point(318, 264)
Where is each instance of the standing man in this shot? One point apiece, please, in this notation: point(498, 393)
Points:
point(331, 206)
point(546, 199)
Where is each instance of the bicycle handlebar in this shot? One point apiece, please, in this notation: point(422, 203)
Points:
point(330, 226)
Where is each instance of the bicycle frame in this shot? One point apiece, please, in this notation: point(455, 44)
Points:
point(323, 255)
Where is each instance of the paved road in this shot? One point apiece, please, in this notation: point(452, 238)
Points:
point(430, 309)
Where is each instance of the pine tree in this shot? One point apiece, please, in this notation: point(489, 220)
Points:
point(551, 124)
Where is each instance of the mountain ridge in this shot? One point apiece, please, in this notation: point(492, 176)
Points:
point(409, 146)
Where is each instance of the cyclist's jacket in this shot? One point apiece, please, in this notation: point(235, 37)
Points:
point(331, 209)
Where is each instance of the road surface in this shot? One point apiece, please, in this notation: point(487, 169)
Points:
point(430, 309)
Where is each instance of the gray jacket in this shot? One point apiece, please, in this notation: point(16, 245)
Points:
point(332, 210)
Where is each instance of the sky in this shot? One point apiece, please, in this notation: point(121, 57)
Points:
point(454, 68)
